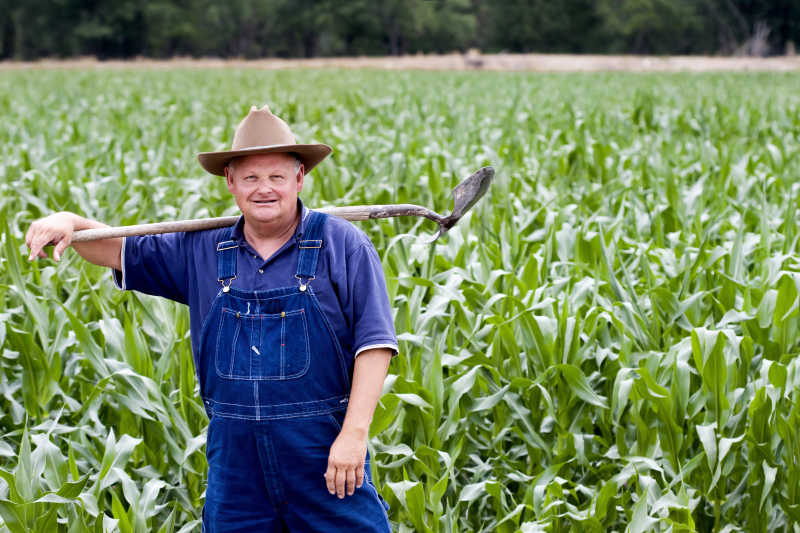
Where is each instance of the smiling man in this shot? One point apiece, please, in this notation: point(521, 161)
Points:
point(292, 335)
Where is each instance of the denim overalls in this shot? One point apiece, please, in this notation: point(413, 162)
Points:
point(275, 382)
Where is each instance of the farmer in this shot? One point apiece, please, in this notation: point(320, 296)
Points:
point(291, 331)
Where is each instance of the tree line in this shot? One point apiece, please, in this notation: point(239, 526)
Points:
point(31, 29)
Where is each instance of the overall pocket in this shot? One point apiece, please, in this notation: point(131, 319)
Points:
point(262, 346)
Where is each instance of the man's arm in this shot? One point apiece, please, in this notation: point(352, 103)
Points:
point(57, 229)
point(349, 450)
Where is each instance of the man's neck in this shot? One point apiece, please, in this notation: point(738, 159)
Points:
point(266, 239)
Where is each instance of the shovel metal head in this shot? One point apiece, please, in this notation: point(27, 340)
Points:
point(469, 191)
point(465, 195)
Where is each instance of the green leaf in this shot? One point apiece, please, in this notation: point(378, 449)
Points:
point(413, 399)
point(640, 520)
point(708, 438)
point(11, 517)
point(472, 492)
point(385, 414)
point(778, 375)
point(769, 480)
point(776, 157)
point(23, 476)
point(580, 385)
point(488, 402)
point(604, 498)
point(72, 489)
point(124, 522)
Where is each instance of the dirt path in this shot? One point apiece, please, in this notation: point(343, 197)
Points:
point(493, 62)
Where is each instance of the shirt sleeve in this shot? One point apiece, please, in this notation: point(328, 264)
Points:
point(155, 264)
point(368, 304)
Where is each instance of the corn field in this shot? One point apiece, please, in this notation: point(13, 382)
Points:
point(608, 342)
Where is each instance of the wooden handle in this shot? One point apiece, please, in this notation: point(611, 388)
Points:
point(149, 229)
point(353, 213)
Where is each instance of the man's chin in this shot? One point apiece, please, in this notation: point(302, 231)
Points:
point(263, 216)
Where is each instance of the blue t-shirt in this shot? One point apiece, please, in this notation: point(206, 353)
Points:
point(349, 283)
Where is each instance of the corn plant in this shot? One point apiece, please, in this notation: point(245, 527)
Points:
point(607, 342)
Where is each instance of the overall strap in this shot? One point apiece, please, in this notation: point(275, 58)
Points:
point(310, 247)
point(226, 261)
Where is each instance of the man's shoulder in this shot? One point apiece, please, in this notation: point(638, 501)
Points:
point(344, 235)
point(207, 237)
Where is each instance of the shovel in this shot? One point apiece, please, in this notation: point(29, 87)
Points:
point(465, 195)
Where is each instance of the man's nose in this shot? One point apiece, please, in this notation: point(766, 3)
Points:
point(264, 185)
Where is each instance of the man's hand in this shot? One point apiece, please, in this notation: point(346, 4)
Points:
point(55, 229)
point(58, 228)
point(346, 463)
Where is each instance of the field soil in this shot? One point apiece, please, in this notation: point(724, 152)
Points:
point(494, 62)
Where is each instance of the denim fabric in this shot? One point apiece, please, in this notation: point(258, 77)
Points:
point(267, 476)
point(275, 384)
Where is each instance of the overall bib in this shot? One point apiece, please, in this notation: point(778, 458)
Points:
point(275, 382)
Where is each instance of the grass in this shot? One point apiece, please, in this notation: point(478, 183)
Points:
point(607, 343)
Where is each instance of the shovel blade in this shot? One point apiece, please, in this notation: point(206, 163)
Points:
point(469, 191)
point(465, 195)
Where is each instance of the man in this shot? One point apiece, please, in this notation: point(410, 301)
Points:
point(292, 335)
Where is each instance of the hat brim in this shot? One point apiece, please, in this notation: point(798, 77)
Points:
point(309, 154)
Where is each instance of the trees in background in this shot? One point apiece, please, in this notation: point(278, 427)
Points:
point(308, 28)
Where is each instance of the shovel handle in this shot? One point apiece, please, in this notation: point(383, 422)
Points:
point(353, 213)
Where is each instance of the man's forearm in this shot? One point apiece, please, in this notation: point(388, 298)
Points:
point(369, 374)
point(105, 252)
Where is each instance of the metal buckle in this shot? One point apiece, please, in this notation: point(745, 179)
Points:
point(304, 284)
point(312, 243)
point(226, 288)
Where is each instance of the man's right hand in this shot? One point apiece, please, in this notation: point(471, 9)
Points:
point(56, 229)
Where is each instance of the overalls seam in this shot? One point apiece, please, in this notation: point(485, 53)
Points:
point(332, 398)
point(308, 414)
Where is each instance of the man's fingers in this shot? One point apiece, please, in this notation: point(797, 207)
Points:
point(351, 481)
point(29, 242)
point(340, 479)
point(39, 241)
point(60, 247)
point(330, 478)
point(359, 476)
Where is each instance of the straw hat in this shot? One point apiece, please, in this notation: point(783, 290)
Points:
point(261, 132)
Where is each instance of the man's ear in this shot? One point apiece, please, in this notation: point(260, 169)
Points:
point(229, 178)
point(301, 173)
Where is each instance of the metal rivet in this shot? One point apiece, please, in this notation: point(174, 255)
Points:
point(238, 314)
point(260, 270)
point(226, 289)
point(302, 287)
point(283, 314)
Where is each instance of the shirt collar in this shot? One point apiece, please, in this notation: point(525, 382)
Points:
point(238, 230)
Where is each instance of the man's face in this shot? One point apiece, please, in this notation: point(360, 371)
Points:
point(265, 187)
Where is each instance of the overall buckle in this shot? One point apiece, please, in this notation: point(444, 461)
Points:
point(303, 284)
point(226, 288)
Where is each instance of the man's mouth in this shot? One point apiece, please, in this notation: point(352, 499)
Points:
point(264, 202)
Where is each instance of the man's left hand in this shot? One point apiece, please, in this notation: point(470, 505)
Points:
point(346, 463)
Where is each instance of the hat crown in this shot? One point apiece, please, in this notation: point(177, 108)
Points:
point(261, 128)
